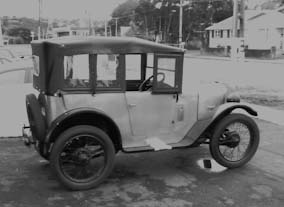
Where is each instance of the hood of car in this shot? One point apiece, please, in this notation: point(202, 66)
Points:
point(210, 97)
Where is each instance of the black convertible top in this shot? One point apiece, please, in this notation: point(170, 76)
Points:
point(51, 54)
point(98, 44)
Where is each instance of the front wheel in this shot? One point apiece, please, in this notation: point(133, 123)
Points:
point(82, 157)
point(234, 141)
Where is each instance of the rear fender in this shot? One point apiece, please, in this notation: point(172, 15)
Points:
point(86, 116)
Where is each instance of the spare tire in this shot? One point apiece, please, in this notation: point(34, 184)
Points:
point(35, 117)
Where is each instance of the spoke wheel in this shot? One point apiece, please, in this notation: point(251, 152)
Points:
point(82, 157)
point(235, 140)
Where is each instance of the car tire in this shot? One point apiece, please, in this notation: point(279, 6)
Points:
point(35, 117)
point(218, 137)
point(76, 138)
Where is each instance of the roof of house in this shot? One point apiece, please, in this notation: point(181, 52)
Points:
point(257, 18)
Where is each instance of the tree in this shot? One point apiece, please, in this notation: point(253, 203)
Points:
point(152, 17)
point(21, 32)
point(125, 12)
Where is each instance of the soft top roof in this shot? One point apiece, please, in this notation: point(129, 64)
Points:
point(97, 44)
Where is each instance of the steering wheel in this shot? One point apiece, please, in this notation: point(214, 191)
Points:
point(146, 84)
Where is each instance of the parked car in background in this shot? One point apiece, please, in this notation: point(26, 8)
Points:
point(14, 85)
point(8, 56)
point(102, 95)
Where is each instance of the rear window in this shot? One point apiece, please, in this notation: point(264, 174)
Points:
point(36, 64)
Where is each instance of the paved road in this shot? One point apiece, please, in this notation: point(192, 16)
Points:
point(260, 75)
point(169, 178)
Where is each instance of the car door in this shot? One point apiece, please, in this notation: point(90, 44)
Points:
point(153, 113)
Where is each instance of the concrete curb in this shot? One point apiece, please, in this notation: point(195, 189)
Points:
point(229, 59)
point(267, 113)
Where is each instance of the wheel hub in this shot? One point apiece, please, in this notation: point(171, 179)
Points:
point(232, 139)
point(83, 155)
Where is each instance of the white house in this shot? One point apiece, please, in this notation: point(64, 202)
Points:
point(264, 30)
point(70, 31)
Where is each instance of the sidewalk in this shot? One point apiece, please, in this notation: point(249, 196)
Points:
point(268, 114)
point(196, 54)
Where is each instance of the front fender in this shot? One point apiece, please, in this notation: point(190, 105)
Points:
point(227, 108)
point(201, 128)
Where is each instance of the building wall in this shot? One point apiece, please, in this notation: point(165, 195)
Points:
point(255, 38)
point(219, 38)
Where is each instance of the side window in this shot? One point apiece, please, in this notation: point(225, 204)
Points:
point(167, 73)
point(76, 71)
point(107, 71)
point(133, 67)
point(150, 65)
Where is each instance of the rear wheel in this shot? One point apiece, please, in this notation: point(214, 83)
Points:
point(82, 157)
point(235, 140)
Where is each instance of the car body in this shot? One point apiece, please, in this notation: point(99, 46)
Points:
point(7, 55)
point(124, 94)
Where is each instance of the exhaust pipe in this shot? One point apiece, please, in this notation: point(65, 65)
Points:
point(27, 136)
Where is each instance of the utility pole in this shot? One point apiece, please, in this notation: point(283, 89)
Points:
point(238, 44)
point(1, 37)
point(39, 16)
point(89, 23)
point(116, 26)
point(180, 22)
point(146, 26)
point(235, 18)
point(242, 18)
point(239, 18)
point(106, 27)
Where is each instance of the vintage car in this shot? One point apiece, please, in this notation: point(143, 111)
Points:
point(101, 95)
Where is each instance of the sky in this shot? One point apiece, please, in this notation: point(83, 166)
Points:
point(67, 9)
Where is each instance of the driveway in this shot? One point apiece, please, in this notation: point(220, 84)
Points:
point(167, 178)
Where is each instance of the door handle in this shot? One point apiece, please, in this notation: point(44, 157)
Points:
point(131, 105)
point(211, 107)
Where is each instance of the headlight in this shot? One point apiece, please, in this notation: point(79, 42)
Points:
point(233, 97)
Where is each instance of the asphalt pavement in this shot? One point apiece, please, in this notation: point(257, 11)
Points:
point(177, 178)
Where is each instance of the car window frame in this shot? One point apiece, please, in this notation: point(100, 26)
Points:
point(120, 73)
point(77, 89)
point(178, 74)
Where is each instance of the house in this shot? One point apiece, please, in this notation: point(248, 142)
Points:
point(70, 31)
point(264, 31)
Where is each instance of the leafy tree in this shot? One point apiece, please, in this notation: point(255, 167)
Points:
point(125, 12)
point(153, 17)
point(22, 32)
